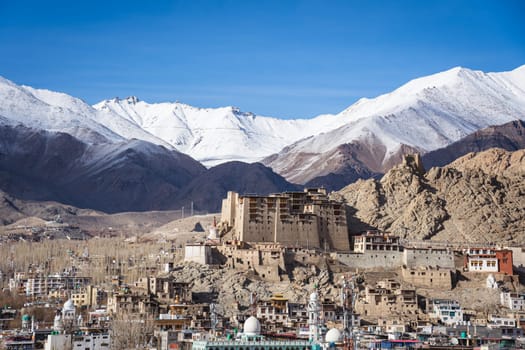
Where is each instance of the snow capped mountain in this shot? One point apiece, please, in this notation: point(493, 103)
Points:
point(450, 104)
point(54, 111)
point(112, 177)
point(216, 135)
point(425, 114)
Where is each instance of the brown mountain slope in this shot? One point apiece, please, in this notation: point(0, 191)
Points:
point(339, 166)
point(478, 198)
point(509, 136)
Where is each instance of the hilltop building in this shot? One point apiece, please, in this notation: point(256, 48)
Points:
point(374, 241)
point(488, 260)
point(308, 219)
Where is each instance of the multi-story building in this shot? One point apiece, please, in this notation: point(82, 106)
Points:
point(87, 296)
point(428, 277)
point(308, 219)
point(514, 301)
point(374, 241)
point(392, 325)
point(266, 259)
point(275, 312)
point(387, 297)
point(93, 341)
point(488, 260)
point(184, 316)
point(132, 303)
point(38, 285)
point(447, 311)
point(501, 322)
point(166, 288)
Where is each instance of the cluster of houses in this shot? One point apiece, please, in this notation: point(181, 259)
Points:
point(389, 306)
point(167, 314)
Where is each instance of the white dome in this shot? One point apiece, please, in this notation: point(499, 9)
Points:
point(68, 306)
point(333, 336)
point(252, 326)
point(313, 296)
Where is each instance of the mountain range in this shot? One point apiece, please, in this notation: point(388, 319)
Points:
point(126, 154)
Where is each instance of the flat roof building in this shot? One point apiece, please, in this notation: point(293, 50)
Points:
point(309, 219)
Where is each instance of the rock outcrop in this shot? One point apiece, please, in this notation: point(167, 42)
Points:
point(478, 198)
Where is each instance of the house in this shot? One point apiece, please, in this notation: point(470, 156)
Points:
point(447, 311)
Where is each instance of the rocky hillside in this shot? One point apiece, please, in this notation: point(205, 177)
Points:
point(130, 175)
point(509, 136)
point(208, 189)
point(477, 198)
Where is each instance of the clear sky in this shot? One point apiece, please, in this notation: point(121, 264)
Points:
point(282, 58)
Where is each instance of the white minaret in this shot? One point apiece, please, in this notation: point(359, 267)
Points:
point(314, 309)
point(58, 325)
point(213, 231)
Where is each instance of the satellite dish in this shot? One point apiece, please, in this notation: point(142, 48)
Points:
point(454, 341)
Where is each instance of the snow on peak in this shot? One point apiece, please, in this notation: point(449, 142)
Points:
point(56, 111)
point(211, 135)
point(425, 113)
point(132, 99)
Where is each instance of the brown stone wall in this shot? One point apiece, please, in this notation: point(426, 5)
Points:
point(441, 279)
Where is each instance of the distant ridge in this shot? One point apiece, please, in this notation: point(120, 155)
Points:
point(125, 176)
point(423, 115)
point(126, 154)
point(509, 136)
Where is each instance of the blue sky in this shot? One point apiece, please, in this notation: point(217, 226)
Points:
point(287, 59)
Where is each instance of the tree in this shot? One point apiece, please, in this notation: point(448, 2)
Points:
point(131, 331)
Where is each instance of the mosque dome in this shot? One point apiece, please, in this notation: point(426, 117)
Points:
point(333, 336)
point(252, 326)
point(313, 296)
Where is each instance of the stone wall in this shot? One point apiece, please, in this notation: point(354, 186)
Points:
point(415, 257)
point(370, 260)
point(410, 257)
point(434, 278)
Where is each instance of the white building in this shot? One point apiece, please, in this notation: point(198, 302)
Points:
point(99, 341)
point(481, 260)
point(447, 311)
point(41, 285)
point(501, 322)
point(65, 324)
point(374, 241)
point(514, 301)
point(199, 253)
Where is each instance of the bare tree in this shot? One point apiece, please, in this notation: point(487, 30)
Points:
point(131, 331)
